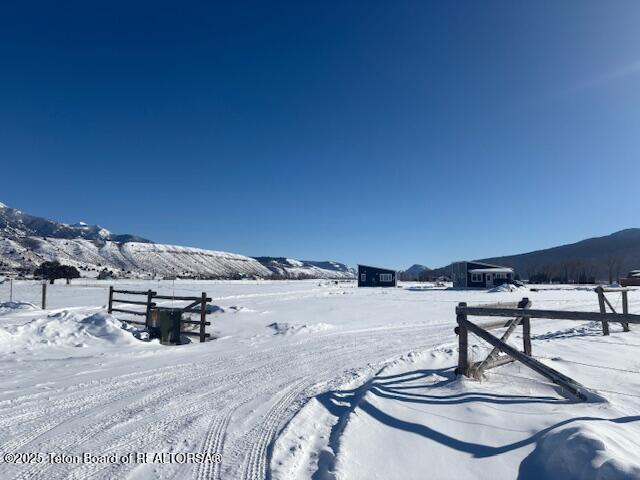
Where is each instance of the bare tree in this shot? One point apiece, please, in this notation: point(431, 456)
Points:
point(614, 263)
point(618, 271)
point(611, 261)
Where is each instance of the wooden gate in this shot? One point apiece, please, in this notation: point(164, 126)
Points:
point(198, 305)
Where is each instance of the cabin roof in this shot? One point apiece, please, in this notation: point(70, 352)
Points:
point(492, 270)
point(377, 268)
point(484, 264)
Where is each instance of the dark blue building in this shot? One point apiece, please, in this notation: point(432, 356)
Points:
point(479, 275)
point(376, 277)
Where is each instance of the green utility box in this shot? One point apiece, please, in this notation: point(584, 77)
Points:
point(165, 325)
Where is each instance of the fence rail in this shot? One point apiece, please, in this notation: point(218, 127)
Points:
point(550, 314)
point(604, 301)
point(522, 316)
point(197, 305)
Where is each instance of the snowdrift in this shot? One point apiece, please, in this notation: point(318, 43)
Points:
point(11, 307)
point(506, 287)
point(65, 329)
point(589, 451)
point(283, 328)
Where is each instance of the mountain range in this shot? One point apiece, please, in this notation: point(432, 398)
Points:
point(26, 241)
point(605, 258)
point(15, 223)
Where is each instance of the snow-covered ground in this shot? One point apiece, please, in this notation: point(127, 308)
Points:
point(310, 379)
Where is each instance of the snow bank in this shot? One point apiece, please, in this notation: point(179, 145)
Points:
point(237, 309)
point(506, 287)
point(210, 308)
point(64, 329)
point(9, 307)
point(283, 328)
point(594, 451)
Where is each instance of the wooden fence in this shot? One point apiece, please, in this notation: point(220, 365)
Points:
point(197, 305)
point(522, 315)
point(604, 302)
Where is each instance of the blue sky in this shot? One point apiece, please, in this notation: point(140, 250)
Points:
point(383, 132)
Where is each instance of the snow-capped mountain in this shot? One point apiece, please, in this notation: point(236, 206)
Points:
point(27, 241)
point(290, 268)
point(15, 223)
point(128, 258)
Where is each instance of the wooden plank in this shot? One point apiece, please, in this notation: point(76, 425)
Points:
point(179, 309)
point(477, 373)
point(526, 335)
point(195, 334)
point(479, 369)
point(602, 297)
point(556, 377)
point(609, 303)
point(110, 304)
point(497, 362)
point(194, 322)
point(132, 312)
point(625, 326)
point(150, 305)
point(625, 308)
point(495, 325)
point(603, 309)
point(169, 297)
point(132, 302)
point(463, 342)
point(550, 314)
point(191, 305)
point(500, 305)
point(132, 292)
point(203, 318)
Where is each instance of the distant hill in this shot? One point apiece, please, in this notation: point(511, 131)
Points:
point(15, 223)
point(414, 273)
point(600, 258)
point(299, 269)
point(26, 241)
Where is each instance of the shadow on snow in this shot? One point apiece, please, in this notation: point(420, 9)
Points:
point(341, 403)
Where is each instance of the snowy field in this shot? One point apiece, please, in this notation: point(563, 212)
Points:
point(310, 380)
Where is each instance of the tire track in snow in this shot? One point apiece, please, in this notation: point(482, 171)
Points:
point(255, 467)
point(223, 387)
point(148, 430)
point(214, 443)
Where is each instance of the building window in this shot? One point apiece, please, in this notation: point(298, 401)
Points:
point(363, 277)
point(386, 277)
point(476, 277)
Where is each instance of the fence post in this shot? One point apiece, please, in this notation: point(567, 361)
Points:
point(44, 295)
point(110, 306)
point(463, 342)
point(147, 318)
point(526, 327)
point(625, 308)
point(603, 309)
point(11, 289)
point(203, 317)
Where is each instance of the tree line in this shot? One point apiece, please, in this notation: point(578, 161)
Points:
point(581, 271)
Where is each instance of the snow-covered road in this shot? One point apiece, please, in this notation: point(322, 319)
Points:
point(280, 343)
